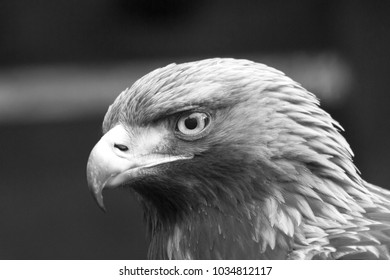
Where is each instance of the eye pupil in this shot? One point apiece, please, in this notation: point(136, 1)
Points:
point(191, 123)
point(120, 147)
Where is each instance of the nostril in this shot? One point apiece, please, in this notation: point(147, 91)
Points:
point(120, 147)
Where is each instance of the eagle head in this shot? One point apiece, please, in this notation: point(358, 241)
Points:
point(230, 159)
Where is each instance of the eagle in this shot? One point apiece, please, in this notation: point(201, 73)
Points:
point(232, 159)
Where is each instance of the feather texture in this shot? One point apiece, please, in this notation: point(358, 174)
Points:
point(273, 179)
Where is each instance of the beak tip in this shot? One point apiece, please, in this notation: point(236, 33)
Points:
point(103, 209)
point(98, 197)
point(94, 184)
point(101, 205)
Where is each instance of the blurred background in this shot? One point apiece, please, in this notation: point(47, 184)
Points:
point(63, 62)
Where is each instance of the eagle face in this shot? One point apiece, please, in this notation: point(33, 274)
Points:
point(175, 133)
point(231, 159)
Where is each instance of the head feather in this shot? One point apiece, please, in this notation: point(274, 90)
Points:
point(275, 167)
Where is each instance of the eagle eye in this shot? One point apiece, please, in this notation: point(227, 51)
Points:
point(191, 125)
point(121, 147)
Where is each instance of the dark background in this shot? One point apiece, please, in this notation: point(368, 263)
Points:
point(63, 62)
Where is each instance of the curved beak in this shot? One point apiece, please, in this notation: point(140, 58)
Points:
point(109, 167)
